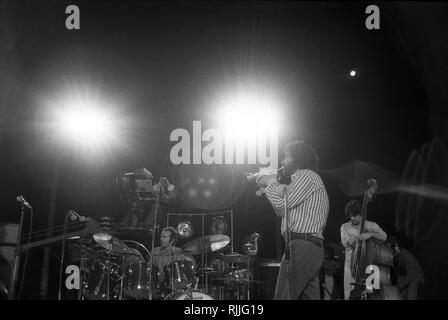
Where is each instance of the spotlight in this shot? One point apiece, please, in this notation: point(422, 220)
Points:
point(245, 114)
point(85, 125)
point(352, 73)
point(192, 192)
point(248, 113)
point(207, 193)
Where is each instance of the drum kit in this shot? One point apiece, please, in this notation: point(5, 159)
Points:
point(114, 269)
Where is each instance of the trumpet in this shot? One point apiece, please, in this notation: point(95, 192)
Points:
point(261, 173)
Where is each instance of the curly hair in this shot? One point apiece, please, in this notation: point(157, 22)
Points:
point(352, 209)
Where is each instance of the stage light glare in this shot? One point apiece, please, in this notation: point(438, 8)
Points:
point(248, 114)
point(207, 193)
point(352, 73)
point(86, 125)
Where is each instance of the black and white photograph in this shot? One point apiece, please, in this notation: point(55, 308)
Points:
point(236, 151)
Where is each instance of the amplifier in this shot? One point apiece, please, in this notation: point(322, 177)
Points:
point(267, 272)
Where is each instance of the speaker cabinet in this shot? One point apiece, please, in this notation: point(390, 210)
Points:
point(267, 272)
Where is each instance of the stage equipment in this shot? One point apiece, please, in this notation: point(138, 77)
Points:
point(185, 229)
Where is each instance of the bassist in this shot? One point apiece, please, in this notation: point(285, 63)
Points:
point(350, 236)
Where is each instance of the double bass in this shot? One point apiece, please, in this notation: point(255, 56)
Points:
point(372, 252)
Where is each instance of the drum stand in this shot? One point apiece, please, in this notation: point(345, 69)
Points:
point(172, 270)
point(122, 277)
point(153, 239)
point(152, 245)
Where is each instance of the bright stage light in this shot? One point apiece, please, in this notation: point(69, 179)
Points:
point(249, 118)
point(86, 125)
point(352, 73)
point(248, 114)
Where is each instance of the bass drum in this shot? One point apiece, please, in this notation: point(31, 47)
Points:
point(188, 295)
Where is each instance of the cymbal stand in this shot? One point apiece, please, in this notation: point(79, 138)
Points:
point(122, 276)
point(153, 238)
point(172, 270)
point(83, 277)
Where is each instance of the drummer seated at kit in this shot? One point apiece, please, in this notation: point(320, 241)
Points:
point(350, 236)
point(168, 239)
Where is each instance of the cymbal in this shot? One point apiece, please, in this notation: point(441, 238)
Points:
point(207, 244)
point(236, 258)
point(112, 244)
point(90, 253)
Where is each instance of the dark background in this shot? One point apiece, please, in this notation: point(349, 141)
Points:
point(162, 63)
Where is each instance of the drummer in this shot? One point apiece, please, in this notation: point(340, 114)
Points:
point(168, 252)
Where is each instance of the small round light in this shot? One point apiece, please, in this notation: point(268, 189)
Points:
point(185, 229)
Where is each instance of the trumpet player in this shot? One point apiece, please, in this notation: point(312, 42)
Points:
point(306, 202)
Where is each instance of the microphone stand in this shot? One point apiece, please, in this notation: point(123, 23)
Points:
point(11, 295)
point(62, 257)
point(288, 243)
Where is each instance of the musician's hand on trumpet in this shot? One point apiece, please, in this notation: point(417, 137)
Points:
point(264, 177)
point(264, 180)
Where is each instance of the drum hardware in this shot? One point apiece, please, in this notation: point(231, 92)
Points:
point(234, 257)
point(102, 281)
point(107, 223)
point(251, 247)
point(162, 190)
point(207, 244)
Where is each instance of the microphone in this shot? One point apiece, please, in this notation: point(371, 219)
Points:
point(22, 201)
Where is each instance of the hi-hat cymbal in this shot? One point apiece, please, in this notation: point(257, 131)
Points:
point(90, 253)
point(207, 244)
point(236, 257)
point(112, 244)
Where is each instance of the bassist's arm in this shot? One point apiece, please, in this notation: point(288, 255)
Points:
point(375, 232)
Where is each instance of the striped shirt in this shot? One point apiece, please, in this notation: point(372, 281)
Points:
point(308, 203)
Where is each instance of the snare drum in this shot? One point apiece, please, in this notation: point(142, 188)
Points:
point(181, 273)
point(188, 295)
